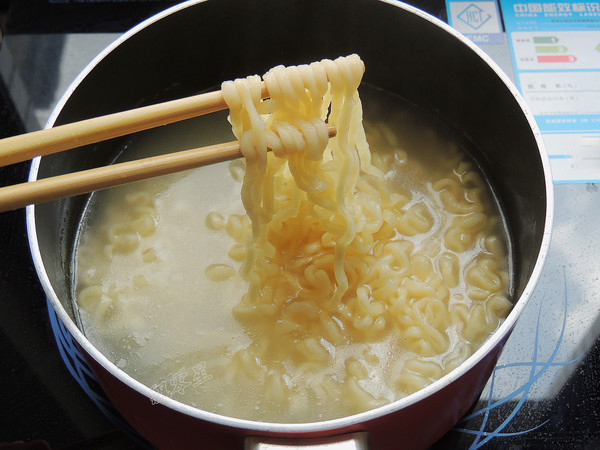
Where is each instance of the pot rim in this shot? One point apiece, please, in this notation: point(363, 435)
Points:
point(494, 340)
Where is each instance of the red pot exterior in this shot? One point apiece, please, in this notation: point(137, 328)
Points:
point(416, 426)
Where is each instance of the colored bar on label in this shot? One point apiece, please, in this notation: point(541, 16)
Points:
point(556, 58)
point(550, 49)
point(545, 39)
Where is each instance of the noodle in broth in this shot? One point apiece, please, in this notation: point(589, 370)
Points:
point(302, 285)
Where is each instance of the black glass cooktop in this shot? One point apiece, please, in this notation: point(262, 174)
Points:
point(547, 397)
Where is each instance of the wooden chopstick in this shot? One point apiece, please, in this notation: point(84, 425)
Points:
point(63, 137)
point(47, 189)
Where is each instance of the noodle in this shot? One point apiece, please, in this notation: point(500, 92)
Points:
point(319, 267)
point(357, 276)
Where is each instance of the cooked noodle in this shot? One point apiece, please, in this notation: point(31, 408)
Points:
point(358, 289)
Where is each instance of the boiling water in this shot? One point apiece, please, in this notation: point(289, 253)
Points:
point(147, 303)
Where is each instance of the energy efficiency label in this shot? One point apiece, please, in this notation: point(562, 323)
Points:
point(555, 50)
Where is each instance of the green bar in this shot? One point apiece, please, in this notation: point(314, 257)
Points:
point(545, 39)
point(550, 49)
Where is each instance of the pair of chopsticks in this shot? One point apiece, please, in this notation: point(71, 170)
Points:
point(45, 142)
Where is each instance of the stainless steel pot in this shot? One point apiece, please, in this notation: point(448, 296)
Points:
point(196, 45)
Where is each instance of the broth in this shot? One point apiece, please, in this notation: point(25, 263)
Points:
point(156, 282)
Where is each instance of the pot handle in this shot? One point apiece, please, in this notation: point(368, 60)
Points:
point(352, 441)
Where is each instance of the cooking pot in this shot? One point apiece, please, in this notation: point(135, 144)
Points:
point(196, 45)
